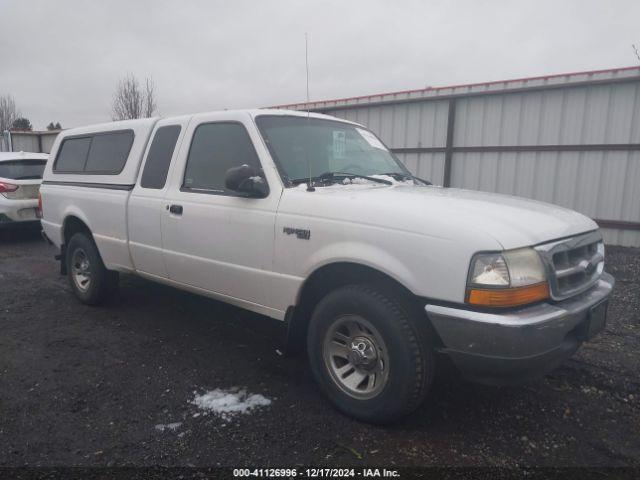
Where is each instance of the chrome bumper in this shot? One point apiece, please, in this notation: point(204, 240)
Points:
point(520, 344)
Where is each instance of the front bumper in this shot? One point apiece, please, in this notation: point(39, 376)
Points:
point(517, 345)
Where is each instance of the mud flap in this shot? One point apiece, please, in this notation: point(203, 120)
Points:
point(62, 257)
point(294, 340)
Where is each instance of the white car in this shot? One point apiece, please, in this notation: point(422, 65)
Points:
point(311, 220)
point(20, 178)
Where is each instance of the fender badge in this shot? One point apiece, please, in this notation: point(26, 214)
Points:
point(298, 232)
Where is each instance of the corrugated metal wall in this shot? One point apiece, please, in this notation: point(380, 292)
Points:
point(574, 142)
point(4, 141)
point(39, 142)
point(404, 126)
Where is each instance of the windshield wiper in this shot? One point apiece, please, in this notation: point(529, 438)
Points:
point(399, 176)
point(329, 176)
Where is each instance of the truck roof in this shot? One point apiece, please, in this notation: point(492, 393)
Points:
point(149, 122)
point(138, 132)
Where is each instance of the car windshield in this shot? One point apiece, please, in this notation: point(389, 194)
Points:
point(312, 147)
point(22, 169)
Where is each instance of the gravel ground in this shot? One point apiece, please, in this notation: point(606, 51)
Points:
point(88, 386)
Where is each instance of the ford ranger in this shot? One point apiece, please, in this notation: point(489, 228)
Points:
point(311, 220)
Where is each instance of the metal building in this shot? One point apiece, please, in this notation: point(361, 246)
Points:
point(27, 141)
point(569, 139)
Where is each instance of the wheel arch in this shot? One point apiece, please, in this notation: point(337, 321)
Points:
point(329, 277)
point(72, 224)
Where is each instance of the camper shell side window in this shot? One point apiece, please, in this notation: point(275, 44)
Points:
point(103, 153)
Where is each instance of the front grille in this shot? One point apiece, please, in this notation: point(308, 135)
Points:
point(573, 264)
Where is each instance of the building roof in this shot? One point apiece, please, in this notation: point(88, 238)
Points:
point(559, 79)
point(4, 156)
point(34, 132)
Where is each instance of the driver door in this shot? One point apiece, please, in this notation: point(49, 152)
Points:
point(215, 239)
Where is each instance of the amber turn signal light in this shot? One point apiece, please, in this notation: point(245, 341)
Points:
point(508, 297)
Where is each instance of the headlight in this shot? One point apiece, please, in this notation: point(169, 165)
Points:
point(507, 279)
point(600, 266)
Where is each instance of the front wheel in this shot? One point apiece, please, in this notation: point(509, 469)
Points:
point(90, 280)
point(369, 354)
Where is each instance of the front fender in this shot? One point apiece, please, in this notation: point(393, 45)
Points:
point(364, 254)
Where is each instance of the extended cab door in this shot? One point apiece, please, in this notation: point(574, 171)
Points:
point(215, 239)
point(146, 203)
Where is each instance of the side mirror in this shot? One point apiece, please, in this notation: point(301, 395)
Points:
point(247, 180)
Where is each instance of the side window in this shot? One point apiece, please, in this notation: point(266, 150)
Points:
point(72, 155)
point(103, 153)
point(159, 157)
point(215, 148)
point(109, 152)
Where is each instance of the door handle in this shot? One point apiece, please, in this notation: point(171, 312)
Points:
point(175, 209)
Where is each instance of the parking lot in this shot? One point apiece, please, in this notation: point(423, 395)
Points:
point(91, 386)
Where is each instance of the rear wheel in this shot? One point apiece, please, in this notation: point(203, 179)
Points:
point(369, 354)
point(90, 280)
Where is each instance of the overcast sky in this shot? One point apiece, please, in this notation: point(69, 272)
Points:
point(61, 60)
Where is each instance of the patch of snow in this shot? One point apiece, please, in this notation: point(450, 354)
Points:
point(358, 183)
point(361, 181)
point(161, 427)
point(227, 403)
point(365, 185)
point(364, 181)
point(393, 180)
point(342, 187)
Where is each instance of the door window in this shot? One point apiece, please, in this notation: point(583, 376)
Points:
point(215, 148)
point(159, 157)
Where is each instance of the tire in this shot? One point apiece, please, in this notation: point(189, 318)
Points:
point(90, 281)
point(395, 356)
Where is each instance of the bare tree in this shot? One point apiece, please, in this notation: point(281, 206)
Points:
point(8, 112)
point(150, 105)
point(131, 101)
point(635, 50)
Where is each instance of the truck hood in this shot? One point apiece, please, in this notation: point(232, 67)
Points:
point(448, 213)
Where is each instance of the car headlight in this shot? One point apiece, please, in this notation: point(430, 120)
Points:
point(507, 279)
point(600, 248)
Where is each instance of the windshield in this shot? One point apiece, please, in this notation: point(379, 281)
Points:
point(22, 169)
point(304, 147)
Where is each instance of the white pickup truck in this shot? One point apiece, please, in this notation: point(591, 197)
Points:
point(311, 220)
